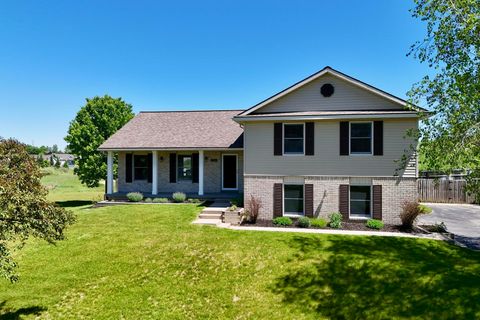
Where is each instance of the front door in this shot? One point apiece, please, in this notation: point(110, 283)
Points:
point(229, 172)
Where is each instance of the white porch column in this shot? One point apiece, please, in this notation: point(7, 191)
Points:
point(154, 172)
point(109, 172)
point(201, 159)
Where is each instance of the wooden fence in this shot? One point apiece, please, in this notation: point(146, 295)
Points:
point(434, 190)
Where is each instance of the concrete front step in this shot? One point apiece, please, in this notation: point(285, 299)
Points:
point(210, 215)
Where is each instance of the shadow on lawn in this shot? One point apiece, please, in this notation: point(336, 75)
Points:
point(17, 314)
point(73, 203)
point(381, 278)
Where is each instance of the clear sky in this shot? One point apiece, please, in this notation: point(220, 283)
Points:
point(176, 55)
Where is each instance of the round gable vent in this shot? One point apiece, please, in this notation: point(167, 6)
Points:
point(327, 90)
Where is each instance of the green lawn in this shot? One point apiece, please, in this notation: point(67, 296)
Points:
point(149, 262)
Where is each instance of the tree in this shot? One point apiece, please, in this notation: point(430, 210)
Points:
point(450, 138)
point(95, 122)
point(55, 148)
point(24, 210)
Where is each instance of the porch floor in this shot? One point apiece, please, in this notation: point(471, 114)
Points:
point(206, 196)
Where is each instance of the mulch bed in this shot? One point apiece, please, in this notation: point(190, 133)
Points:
point(348, 225)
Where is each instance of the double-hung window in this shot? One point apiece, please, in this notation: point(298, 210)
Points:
point(361, 138)
point(140, 164)
point(184, 167)
point(293, 199)
point(360, 201)
point(293, 138)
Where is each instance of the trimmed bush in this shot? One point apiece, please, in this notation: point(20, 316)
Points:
point(134, 196)
point(410, 212)
point(148, 200)
point(374, 224)
point(303, 222)
point(179, 197)
point(318, 223)
point(335, 220)
point(282, 221)
point(194, 200)
point(160, 200)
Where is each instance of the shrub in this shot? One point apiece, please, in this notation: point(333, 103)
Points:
point(374, 224)
point(238, 201)
point(134, 196)
point(410, 212)
point(303, 222)
point(160, 200)
point(318, 223)
point(424, 209)
point(179, 197)
point(233, 208)
point(335, 220)
point(65, 164)
point(439, 227)
point(148, 200)
point(282, 221)
point(252, 209)
point(194, 200)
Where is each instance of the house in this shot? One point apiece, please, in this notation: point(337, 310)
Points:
point(329, 143)
point(57, 157)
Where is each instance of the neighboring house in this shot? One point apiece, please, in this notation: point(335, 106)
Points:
point(60, 157)
point(329, 143)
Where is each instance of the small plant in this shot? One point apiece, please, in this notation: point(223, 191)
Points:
point(179, 197)
point(134, 196)
point(410, 211)
point(233, 208)
point(252, 209)
point(318, 223)
point(194, 200)
point(374, 224)
point(303, 222)
point(335, 220)
point(238, 201)
point(439, 227)
point(160, 200)
point(282, 221)
point(425, 209)
point(148, 200)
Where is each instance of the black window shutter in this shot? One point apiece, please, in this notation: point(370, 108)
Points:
point(277, 200)
point(377, 202)
point(344, 137)
point(195, 168)
point(128, 168)
point(277, 139)
point(309, 200)
point(173, 168)
point(149, 167)
point(309, 138)
point(343, 199)
point(378, 138)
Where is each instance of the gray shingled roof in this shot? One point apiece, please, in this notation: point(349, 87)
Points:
point(178, 130)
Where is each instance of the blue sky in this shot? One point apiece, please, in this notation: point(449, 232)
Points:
point(188, 55)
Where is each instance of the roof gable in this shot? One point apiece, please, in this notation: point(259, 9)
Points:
point(350, 94)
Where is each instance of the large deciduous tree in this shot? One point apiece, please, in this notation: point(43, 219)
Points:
point(24, 210)
point(451, 137)
point(95, 122)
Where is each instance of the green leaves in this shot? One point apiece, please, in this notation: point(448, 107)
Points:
point(95, 122)
point(24, 210)
point(451, 138)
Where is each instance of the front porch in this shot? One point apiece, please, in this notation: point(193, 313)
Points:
point(204, 174)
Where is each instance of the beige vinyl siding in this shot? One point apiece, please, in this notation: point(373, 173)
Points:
point(259, 158)
point(346, 97)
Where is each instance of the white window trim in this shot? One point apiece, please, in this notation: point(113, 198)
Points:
point(350, 206)
point(236, 169)
point(293, 214)
point(283, 139)
point(359, 154)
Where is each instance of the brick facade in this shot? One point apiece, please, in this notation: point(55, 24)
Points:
point(326, 193)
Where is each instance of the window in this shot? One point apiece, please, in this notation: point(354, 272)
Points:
point(184, 167)
point(360, 201)
point(293, 199)
point(140, 168)
point(360, 138)
point(293, 138)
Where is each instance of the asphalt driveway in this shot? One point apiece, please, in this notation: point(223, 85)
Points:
point(463, 220)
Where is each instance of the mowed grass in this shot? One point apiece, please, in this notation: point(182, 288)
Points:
point(150, 262)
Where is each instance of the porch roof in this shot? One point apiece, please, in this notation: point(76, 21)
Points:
point(167, 130)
